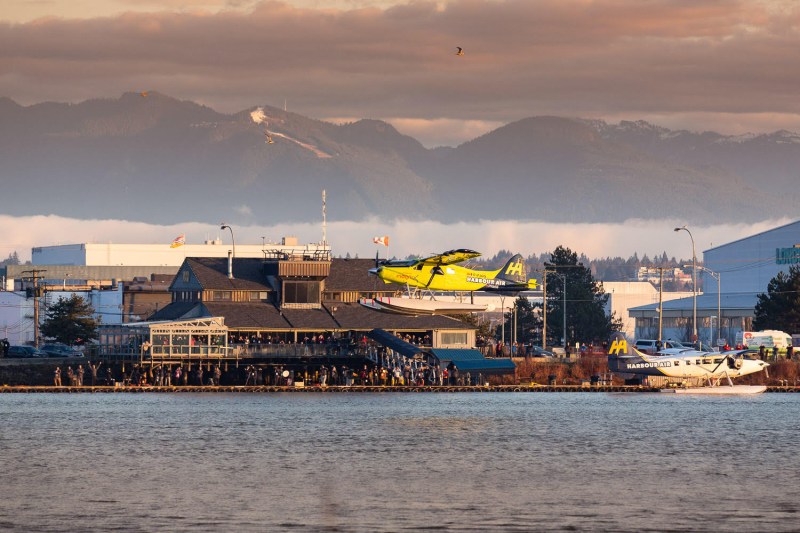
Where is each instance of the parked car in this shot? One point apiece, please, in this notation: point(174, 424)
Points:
point(24, 352)
point(648, 346)
point(60, 350)
point(538, 351)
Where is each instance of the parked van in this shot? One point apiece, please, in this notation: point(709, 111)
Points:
point(769, 338)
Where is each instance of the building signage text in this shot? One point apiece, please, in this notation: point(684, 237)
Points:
point(787, 256)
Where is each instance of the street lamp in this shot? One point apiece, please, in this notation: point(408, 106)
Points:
point(694, 283)
point(233, 252)
point(502, 321)
point(233, 242)
point(564, 279)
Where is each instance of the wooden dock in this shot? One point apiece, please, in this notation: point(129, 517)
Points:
point(343, 389)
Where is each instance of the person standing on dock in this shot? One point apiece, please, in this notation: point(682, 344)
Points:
point(93, 369)
point(80, 375)
point(217, 375)
point(57, 377)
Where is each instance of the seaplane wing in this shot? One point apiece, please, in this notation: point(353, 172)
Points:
point(450, 257)
point(708, 366)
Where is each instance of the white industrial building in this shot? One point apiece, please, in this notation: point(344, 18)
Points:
point(113, 254)
point(733, 275)
point(623, 295)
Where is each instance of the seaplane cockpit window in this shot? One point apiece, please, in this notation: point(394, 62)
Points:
point(418, 267)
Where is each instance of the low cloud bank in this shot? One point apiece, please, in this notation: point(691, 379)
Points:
point(649, 237)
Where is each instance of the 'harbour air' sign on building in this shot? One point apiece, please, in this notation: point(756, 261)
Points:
point(787, 256)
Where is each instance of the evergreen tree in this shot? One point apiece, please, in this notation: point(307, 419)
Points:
point(12, 259)
point(483, 326)
point(586, 317)
point(779, 308)
point(70, 321)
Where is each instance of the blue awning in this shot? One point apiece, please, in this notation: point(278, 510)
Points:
point(473, 361)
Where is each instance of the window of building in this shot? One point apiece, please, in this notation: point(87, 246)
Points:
point(258, 295)
point(221, 296)
point(301, 292)
point(186, 276)
point(454, 338)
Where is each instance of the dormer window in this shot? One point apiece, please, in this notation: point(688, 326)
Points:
point(301, 292)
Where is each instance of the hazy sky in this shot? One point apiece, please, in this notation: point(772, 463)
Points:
point(406, 237)
point(726, 65)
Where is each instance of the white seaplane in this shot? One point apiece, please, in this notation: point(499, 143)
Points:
point(712, 367)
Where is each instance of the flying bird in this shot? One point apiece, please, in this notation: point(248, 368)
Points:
point(460, 51)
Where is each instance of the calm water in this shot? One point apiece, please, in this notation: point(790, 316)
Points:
point(399, 462)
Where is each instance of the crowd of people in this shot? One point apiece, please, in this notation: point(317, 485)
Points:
point(400, 373)
point(395, 375)
point(257, 339)
point(74, 377)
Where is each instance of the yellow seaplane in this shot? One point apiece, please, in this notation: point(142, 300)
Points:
point(442, 273)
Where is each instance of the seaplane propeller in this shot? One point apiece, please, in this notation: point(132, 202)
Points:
point(435, 271)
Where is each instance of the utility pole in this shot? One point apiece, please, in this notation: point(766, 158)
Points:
point(34, 275)
point(660, 302)
point(544, 306)
point(544, 310)
point(564, 278)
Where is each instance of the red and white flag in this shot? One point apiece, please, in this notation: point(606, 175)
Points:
point(180, 240)
point(381, 240)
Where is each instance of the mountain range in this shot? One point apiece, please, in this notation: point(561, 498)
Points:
point(150, 157)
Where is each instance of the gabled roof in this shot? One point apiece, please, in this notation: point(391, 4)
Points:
point(175, 311)
point(353, 275)
point(264, 315)
point(212, 273)
point(317, 319)
point(254, 315)
point(357, 317)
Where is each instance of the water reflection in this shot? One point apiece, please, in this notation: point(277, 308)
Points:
point(389, 462)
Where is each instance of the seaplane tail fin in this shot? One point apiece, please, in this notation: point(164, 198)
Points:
point(619, 347)
point(514, 271)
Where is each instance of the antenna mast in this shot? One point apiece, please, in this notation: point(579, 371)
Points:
point(324, 222)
